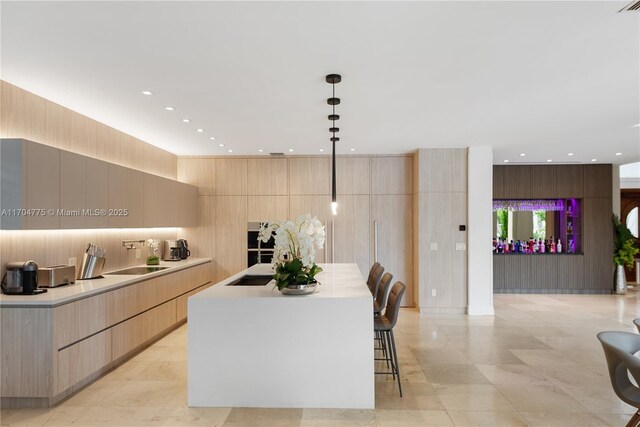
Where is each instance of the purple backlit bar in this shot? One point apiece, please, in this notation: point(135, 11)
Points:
point(529, 205)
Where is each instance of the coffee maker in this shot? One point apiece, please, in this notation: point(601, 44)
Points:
point(21, 278)
point(171, 251)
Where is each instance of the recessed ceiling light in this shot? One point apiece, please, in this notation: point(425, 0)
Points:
point(594, 160)
point(260, 150)
point(169, 108)
point(146, 92)
point(230, 150)
point(636, 126)
point(506, 161)
point(549, 160)
point(569, 154)
point(291, 150)
point(618, 154)
point(321, 150)
point(186, 120)
point(200, 130)
point(213, 138)
point(352, 149)
point(522, 154)
point(221, 145)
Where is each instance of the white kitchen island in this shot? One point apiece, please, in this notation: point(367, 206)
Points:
point(251, 346)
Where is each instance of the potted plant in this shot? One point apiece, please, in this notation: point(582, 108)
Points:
point(153, 258)
point(294, 252)
point(623, 254)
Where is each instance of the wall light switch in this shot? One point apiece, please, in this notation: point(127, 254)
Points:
point(433, 246)
point(73, 261)
point(433, 292)
point(461, 247)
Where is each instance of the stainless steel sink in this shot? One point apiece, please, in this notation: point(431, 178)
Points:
point(136, 270)
point(251, 280)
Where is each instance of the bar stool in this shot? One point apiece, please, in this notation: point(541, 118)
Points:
point(381, 295)
point(374, 267)
point(637, 323)
point(384, 325)
point(375, 276)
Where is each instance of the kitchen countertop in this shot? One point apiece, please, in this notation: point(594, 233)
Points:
point(336, 281)
point(86, 288)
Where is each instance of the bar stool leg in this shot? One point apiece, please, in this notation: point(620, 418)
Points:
point(394, 362)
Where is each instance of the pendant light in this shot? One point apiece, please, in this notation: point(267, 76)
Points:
point(333, 79)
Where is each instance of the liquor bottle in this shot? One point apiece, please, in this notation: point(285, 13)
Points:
point(536, 247)
point(505, 246)
point(530, 245)
point(559, 247)
point(542, 248)
point(518, 247)
point(552, 249)
point(571, 247)
point(495, 245)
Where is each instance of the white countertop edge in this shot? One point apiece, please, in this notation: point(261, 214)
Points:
point(87, 288)
point(220, 291)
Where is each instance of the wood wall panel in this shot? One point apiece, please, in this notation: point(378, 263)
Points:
point(543, 182)
point(309, 175)
point(597, 182)
point(443, 170)
point(268, 177)
point(231, 177)
point(393, 213)
point(26, 115)
point(499, 182)
point(597, 242)
point(200, 172)
point(353, 232)
point(43, 184)
point(352, 175)
point(570, 181)
point(230, 245)
point(392, 175)
point(266, 208)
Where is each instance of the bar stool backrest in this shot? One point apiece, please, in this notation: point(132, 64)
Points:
point(637, 323)
point(375, 280)
point(619, 349)
point(374, 267)
point(383, 289)
point(393, 303)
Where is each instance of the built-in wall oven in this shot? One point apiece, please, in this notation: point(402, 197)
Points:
point(258, 251)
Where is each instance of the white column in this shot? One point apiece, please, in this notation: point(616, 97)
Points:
point(480, 210)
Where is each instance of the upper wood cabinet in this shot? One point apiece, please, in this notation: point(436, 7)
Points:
point(47, 188)
point(392, 175)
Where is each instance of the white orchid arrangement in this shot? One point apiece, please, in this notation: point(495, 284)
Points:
point(295, 248)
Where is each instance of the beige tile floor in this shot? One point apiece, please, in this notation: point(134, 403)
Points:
point(536, 363)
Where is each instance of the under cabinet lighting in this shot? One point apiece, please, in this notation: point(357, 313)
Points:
point(146, 92)
point(169, 108)
point(200, 130)
point(186, 120)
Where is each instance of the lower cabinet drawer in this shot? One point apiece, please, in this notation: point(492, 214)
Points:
point(181, 302)
point(80, 360)
point(134, 332)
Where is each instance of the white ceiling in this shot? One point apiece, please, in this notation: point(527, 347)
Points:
point(541, 78)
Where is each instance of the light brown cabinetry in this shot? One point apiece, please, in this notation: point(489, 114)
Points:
point(67, 190)
point(73, 189)
point(49, 352)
